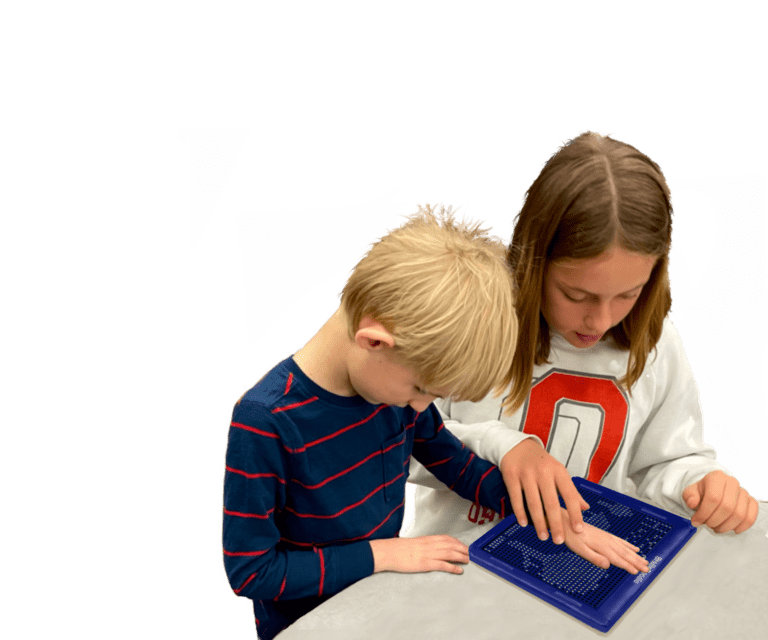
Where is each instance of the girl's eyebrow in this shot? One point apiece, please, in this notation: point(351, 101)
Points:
point(589, 293)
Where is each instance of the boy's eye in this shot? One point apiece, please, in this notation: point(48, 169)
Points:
point(420, 390)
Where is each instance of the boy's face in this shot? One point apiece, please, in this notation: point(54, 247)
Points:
point(380, 378)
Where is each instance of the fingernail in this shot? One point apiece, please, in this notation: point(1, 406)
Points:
point(543, 535)
point(558, 540)
point(523, 523)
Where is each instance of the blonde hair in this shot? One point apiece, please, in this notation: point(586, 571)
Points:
point(444, 291)
point(594, 193)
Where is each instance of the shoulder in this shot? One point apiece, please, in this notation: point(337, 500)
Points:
point(669, 347)
point(260, 414)
point(272, 387)
point(667, 363)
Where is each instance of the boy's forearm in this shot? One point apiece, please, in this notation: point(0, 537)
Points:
point(290, 575)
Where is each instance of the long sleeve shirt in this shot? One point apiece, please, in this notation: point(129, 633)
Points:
point(646, 444)
point(311, 477)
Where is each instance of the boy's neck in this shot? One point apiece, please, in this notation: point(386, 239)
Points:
point(324, 358)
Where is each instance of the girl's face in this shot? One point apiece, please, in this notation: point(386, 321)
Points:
point(583, 299)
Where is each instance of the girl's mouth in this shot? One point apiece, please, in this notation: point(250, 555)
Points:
point(586, 339)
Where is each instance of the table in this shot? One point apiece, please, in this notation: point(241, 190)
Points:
point(716, 587)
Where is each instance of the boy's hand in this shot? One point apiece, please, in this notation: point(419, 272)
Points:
point(721, 503)
point(530, 469)
point(604, 549)
point(414, 555)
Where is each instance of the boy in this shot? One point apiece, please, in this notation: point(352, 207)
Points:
point(319, 449)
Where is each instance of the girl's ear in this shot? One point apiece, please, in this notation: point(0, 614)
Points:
point(373, 336)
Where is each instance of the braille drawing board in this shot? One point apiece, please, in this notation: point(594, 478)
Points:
point(554, 573)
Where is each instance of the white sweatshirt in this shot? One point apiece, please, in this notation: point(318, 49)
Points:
point(647, 444)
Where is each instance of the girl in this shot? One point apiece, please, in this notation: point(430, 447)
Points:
point(599, 374)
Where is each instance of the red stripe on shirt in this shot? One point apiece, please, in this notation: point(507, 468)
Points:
point(288, 384)
point(322, 571)
point(345, 471)
point(249, 515)
point(348, 508)
point(347, 428)
point(295, 405)
point(483, 477)
point(355, 539)
point(242, 586)
point(282, 588)
point(469, 461)
point(251, 476)
point(434, 464)
point(439, 429)
point(238, 554)
point(255, 430)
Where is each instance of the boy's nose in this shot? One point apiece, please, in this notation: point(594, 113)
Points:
point(422, 403)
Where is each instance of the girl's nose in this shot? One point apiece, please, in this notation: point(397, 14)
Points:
point(599, 318)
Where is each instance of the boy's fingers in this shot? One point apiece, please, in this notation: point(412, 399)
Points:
point(623, 557)
point(595, 558)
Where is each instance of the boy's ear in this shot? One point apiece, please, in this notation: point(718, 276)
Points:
point(373, 336)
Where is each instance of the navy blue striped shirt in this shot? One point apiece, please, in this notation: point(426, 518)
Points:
point(311, 477)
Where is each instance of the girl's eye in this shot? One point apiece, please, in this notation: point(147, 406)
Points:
point(631, 296)
point(573, 299)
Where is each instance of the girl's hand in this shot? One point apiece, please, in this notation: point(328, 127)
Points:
point(721, 503)
point(529, 469)
point(604, 549)
point(414, 555)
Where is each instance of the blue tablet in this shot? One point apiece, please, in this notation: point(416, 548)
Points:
point(597, 597)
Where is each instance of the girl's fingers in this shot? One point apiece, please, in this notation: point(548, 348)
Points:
point(744, 515)
point(535, 508)
point(752, 511)
point(574, 504)
point(518, 506)
point(554, 514)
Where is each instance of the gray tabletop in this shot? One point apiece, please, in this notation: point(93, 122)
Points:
point(716, 587)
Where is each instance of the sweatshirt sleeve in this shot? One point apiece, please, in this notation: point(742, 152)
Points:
point(490, 440)
point(456, 466)
point(669, 453)
point(254, 493)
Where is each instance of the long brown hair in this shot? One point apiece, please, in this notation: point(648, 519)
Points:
point(595, 192)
